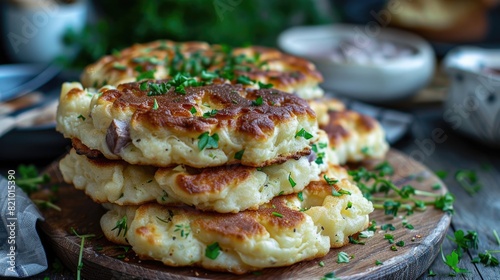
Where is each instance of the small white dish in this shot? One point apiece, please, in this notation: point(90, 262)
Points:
point(473, 103)
point(372, 80)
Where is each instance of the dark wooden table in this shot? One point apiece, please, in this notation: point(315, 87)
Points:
point(480, 212)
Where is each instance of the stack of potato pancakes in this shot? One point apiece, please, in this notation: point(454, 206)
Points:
point(222, 158)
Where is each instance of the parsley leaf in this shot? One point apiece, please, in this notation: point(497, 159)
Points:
point(276, 214)
point(487, 259)
point(452, 260)
point(155, 105)
point(210, 114)
point(150, 74)
point(121, 225)
point(244, 80)
point(208, 141)
point(445, 203)
point(343, 257)
point(464, 241)
point(330, 276)
point(468, 180)
point(258, 101)
point(291, 181)
point(303, 133)
point(300, 195)
point(263, 86)
point(239, 154)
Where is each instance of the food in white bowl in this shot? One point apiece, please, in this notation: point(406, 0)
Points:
point(381, 66)
point(473, 103)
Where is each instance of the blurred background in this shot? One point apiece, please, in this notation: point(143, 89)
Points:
point(95, 28)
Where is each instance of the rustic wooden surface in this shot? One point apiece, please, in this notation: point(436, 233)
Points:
point(408, 262)
point(479, 212)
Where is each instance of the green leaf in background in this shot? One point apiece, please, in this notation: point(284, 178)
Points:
point(234, 23)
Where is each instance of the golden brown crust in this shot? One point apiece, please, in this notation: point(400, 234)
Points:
point(210, 180)
point(235, 103)
point(239, 226)
point(338, 130)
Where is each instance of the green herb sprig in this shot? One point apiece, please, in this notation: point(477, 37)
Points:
point(79, 266)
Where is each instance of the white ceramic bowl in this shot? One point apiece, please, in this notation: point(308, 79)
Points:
point(33, 32)
point(390, 80)
point(473, 103)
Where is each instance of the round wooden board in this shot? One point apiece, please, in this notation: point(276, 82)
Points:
point(104, 260)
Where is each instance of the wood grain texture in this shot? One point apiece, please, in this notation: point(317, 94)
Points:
point(479, 212)
point(104, 260)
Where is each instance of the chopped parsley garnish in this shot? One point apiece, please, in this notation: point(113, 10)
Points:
point(150, 74)
point(210, 114)
point(79, 266)
point(330, 276)
point(388, 227)
point(373, 226)
point(343, 257)
point(330, 181)
point(244, 80)
point(445, 203)
point(394, 248)
point(452, 260)
point(352, 240)
point(321, 263)
point(385, 169)
point(441, 174)
point(258, 101)
point(340, 192)
point(377, 262)
point(319, 159)
point(291, 181)
point(303, 133)
point(487, 259)
point(464, 241)
point(389, 238)
point(81, 117)
point(276, 214)
point(184, 230)
point(263, 86)
point(366, 150)
point(155, 105)
point(212, 251)
point(121, 225)
point(144, 86)
point(468, 180)
point(193, 110)
point(496, 237)
point(208, 141)
point(391, 207)
point(408, 226)
point(431, 273)
point(205, 75)
point(400, 243)
point(119, 66)
point(239, 154)
point(349, 205)
point(436, 187)
point(300, 195)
